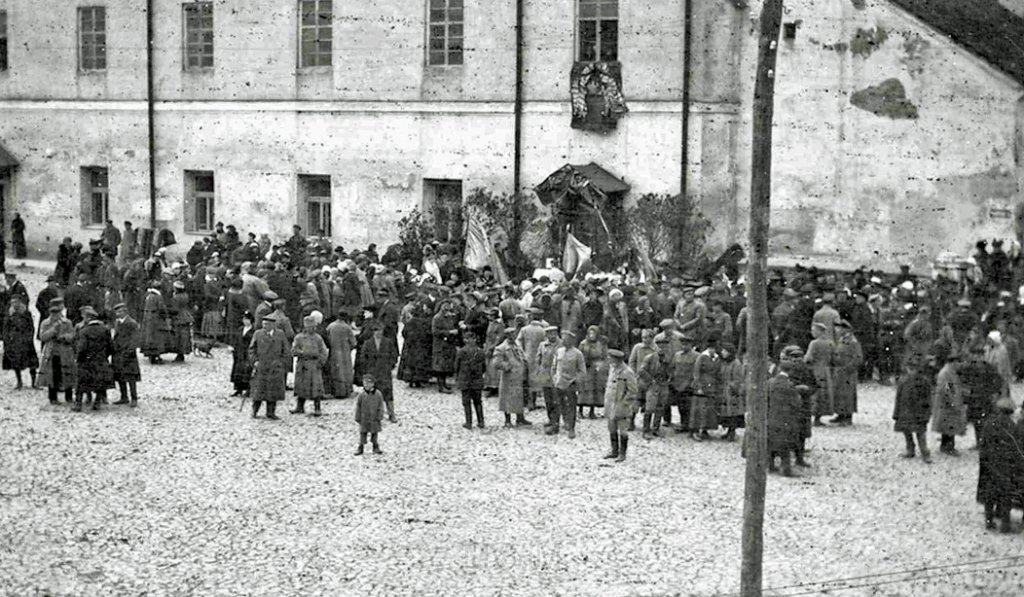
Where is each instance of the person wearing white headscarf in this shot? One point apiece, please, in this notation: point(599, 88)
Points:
point(997, 356)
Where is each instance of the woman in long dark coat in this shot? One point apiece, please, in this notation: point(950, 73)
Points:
point(445, 332)
point(417, 346)
point(19, 349)
point(241, 366)
point(235, 304)
point(1000, 465)
point(156, 327)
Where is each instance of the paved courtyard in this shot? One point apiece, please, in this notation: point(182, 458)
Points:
point(186, 495)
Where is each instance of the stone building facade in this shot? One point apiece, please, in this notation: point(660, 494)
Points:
point(345, 116)
point(366, 123)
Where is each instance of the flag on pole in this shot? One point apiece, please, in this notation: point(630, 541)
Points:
point(480, 251)
point(576, 255)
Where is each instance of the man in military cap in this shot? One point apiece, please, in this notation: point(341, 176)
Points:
point(270, 353)
point(92, 359)
point(57, 336)
point(124, 362)
point(655, 375)
point(620, 403)
point(378, 358)
point(568, 370)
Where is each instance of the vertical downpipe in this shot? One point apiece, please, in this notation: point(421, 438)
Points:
point(684, 166)
point(149, 114)
point(518, 108)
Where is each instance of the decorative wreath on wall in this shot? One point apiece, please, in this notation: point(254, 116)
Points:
point(603, 79)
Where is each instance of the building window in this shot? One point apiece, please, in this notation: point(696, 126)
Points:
point(444, 46)
point(598, 30)
point(92, 38)
point(442, 200)
point(315, 194)
point(316, 34)
point(199, 201)
point(198, 35)
point(3, 40)
point(95, 196)
point(789, 31)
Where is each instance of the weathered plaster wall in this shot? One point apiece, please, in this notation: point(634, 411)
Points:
point(905, 176)
point(1017, 6)
point(379, 121)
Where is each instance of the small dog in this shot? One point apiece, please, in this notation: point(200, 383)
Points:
point(202, 346)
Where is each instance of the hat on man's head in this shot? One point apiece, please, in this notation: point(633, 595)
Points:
point(661, 340)
point(270, 296)
point(789, 293)
point(964, 302)
point(269, 317)
point(616, 354)
point(179, 285)
point(1006, 404)
point(309, 320)
point(120, 306)
point(551, 328)
point(667, 323)
point(88, 311)
point(792, 352)
point(57, 302)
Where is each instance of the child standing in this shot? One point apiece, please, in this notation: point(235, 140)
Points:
point(470, 367)
point(369, 414)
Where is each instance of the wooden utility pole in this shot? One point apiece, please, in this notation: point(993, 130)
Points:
point(757, 302)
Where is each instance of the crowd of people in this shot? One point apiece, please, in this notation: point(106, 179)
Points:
point(647, 353)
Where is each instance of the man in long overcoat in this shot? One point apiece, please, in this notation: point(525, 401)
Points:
point(156, 327)
point(949, 413)
point(378, 358)
point(847, 361)
point(94, 349)
point(620, 403)
point(271, 355)
point(125, 361)
point(57, 371)
point(310, 354)
point(341, 342)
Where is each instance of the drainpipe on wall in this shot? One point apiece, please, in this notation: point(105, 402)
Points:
point(518, 108)
point(684, 166)
point(149, 114)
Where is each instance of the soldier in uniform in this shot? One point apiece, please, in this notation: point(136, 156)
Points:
point(310, 353)
point(620, 403)
point(654, 377)
point(58, 371)
point(270, 353)
point(125, 362)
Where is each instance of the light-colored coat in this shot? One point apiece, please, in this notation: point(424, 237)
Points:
point(310, 354)
point(58, 338)
point(949, 413)
point(342, 342)
point(621, 394)
point(511, 365)
point(271, 357)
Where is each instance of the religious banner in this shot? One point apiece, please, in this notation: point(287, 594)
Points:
point(480, 252)
point(576, 256)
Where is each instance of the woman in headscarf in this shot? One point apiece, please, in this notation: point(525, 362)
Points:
point(417, 362)
point(19, 349)
point(241, 368)
point(595, 355)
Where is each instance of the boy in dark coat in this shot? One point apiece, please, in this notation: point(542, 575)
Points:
point(914, 407)
point(369, 413)
point(1001, 463)
point(470, 366)
point(125, 361)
